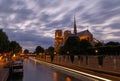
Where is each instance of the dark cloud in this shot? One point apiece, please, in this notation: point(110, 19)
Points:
point(29, 38)
point(33, 22)
point(45, 17)
point(115, 25)
point(103, 11)
point(109, 4)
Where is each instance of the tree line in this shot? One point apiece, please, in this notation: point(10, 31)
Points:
point(39, 50)
point(75, 46)
point(7, 46)
point(13, 47)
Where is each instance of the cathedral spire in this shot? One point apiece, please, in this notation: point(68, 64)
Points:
point(75, 26)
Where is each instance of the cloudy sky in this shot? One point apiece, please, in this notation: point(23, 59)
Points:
point(33, 22)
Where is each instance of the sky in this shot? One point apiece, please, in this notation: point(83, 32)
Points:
point(33, 22)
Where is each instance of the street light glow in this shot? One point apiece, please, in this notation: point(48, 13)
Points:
point(14, 55)
point(96, 51)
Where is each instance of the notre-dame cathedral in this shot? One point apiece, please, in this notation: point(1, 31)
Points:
point(61, 37)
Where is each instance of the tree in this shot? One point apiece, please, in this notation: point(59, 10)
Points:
point(50, 50)
point(98, 44)
point(4, 42)
point(72, 45)
point(26, 51)
point(62, 50)
point(100, 60)
point(15, 47)
point(85, 44)
point(39, 49)
point(111, 43)
point(72, 58)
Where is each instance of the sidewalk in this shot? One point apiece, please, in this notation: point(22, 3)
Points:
point(4, 73)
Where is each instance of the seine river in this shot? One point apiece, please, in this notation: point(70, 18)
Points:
point(34, 71)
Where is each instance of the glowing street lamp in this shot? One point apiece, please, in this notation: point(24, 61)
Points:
point(96, 51)
point(67, 52)
point(0, 57)
point(14, 55)
point(55, 53)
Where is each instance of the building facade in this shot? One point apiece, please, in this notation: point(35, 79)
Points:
point(61, 38)
point(58, 41)
point(66, 35)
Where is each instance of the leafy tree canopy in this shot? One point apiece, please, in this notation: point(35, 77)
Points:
point(4, 42)
point(74, 45)
point(112, 43)
point(39, 49)
point(50, 50)
point(85, 44)
point(98, 44)
point(26, 51)
point(15, 47)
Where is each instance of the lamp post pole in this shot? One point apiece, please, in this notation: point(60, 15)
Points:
point(68, 54)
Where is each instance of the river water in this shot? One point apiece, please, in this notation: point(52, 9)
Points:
point(34, 71)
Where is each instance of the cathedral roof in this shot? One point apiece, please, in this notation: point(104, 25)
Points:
point(85, 32)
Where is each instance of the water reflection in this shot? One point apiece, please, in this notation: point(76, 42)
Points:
point(35, 62)
point(68, 79)
point(55, 76)
point(34, 71)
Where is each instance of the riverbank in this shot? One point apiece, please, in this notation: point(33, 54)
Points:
point(4, 72)
point(87, 67)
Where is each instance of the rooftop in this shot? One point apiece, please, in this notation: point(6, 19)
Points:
point(85, 32)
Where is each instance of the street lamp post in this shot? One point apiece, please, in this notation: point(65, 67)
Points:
point(68, 54)
point(55, 55)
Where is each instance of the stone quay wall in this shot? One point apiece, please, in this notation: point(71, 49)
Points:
point(110, 64)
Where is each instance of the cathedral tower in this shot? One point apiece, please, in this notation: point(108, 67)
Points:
point(58, 39)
